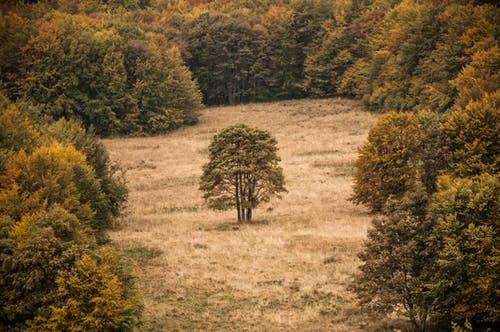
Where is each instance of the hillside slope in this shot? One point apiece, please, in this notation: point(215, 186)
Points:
point(199, 270)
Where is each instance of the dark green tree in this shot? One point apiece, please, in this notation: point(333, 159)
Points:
point(243, 170)
point(163, 87)
point(14, 34)
point(325, 67)
point(284, 53)
point(226, 58)
point(399, 260)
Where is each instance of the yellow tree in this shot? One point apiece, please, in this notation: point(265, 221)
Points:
point(91, 297)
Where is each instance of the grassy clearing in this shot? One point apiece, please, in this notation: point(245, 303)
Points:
point(290, 269)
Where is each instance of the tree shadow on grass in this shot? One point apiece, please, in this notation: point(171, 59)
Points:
point(229, 226)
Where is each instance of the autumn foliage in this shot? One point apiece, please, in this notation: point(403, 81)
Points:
point(58, 195)
point(70, 69)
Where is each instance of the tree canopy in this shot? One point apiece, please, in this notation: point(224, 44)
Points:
point(59, 193)
point(430, 166)
point(243, 170)
point(396, 55)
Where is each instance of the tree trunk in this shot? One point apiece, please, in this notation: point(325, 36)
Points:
point(251, 188)
point(242, 198)
point(237, 196)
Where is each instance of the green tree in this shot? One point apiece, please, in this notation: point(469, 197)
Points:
point(36, 249)
point(325, 67)
point(473, 134)
point(163, 87)
point(284, 53)
point(42, 179)
point(463, 29)
point(54, 175)
point(73, 67)
point(243, 170)
point(226, 58)
point(14, 34)
point(411, 36)
point(365, 34)
point(467, 215)
point(399, 260)
point(109, 175)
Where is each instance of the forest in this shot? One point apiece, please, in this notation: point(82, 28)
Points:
point(75, 72)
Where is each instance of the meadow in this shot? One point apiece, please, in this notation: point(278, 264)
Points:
point(290, 270)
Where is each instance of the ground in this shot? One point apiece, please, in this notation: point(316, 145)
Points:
point(290, 270)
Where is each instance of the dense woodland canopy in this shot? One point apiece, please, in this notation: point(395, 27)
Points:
point(59, 193)
point(135, 67)
point(132, 67)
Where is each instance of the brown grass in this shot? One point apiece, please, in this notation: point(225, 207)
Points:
point(287, 272)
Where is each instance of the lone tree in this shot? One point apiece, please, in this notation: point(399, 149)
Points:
point(243, 170)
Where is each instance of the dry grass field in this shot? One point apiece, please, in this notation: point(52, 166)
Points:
point(199, 270)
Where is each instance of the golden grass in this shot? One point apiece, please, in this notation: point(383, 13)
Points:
point(287, 272)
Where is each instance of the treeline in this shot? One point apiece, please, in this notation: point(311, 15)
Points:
point(433, 254)
point(59, 193)
point(130, 67)
point(98, 62)
point(434, 178)
point(394, 55)
point(430, 167)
